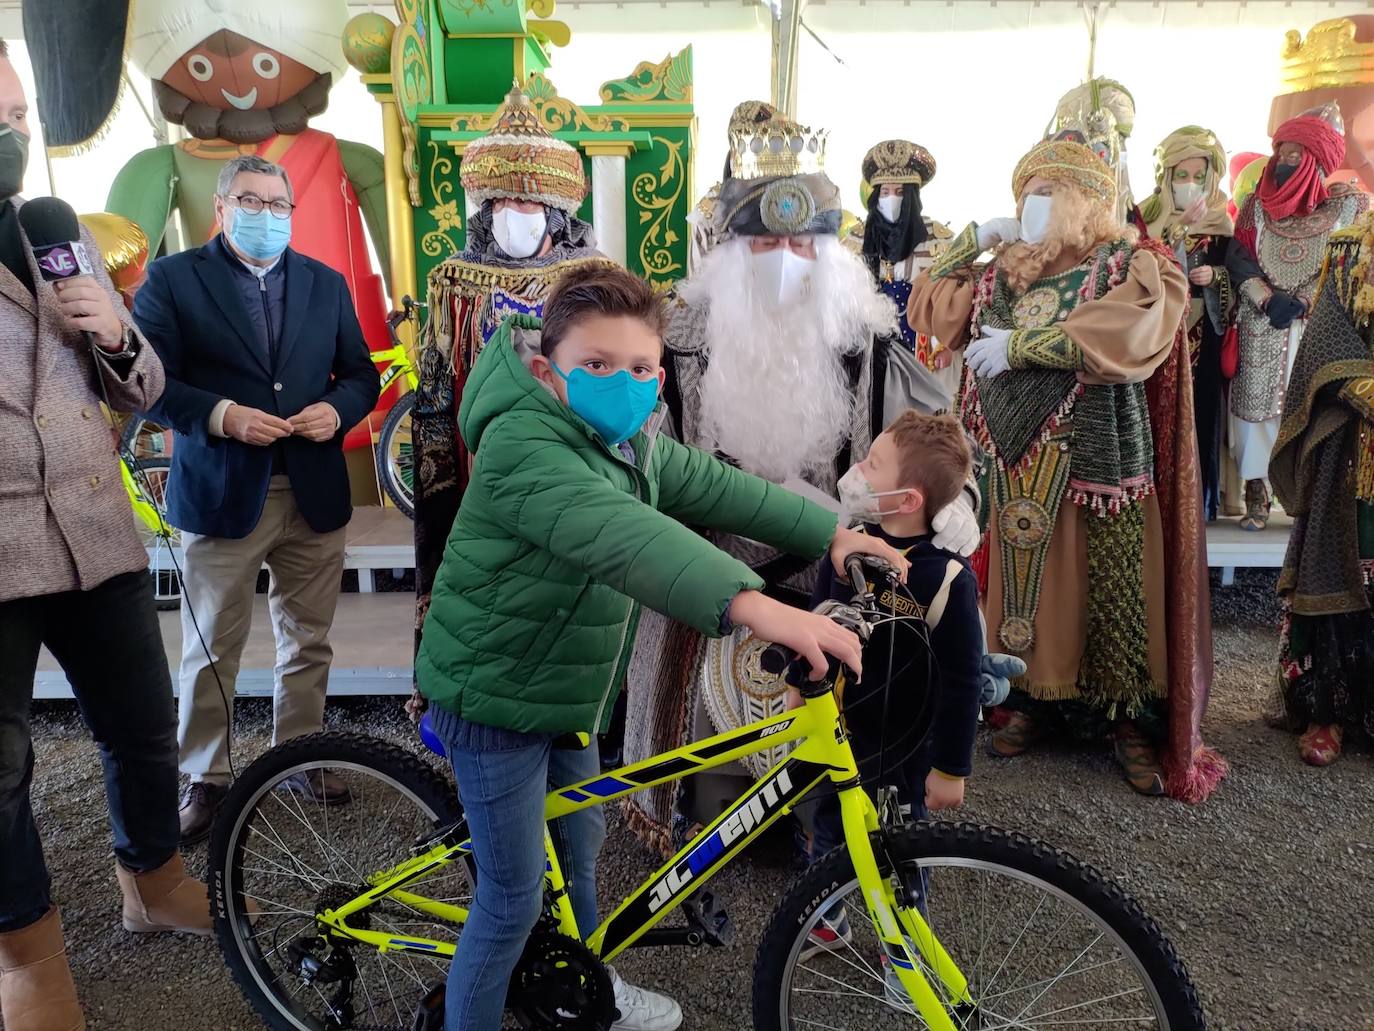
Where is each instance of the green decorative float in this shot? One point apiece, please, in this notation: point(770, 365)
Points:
point(451, 64)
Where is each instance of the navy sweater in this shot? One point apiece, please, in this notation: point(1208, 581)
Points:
point(947, 705)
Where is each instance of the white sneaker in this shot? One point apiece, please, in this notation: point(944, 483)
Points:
point(641, 1010)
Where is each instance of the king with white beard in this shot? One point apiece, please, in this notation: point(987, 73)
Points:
point(783, 358)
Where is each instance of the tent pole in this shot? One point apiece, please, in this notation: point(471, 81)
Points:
point(786, 37)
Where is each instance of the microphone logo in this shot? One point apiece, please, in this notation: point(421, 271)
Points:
point(62, 261)
point(59, 263)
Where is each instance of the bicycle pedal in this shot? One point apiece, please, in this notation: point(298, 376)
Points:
point(705, 913)
point(429, 1015)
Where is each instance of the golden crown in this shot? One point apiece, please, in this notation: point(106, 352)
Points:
point(1329, 58)
point(773, 149)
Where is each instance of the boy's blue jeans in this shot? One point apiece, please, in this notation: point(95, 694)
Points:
point(503, 776)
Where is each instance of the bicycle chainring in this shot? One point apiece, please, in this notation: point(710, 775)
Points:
point(560, 985)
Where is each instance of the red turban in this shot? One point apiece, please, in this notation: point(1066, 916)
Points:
point(1305, 190)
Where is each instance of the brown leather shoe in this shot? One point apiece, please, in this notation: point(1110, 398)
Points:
point(36, 989)
point(1139, 759)
point(322, 786)
point(198, 808)
point(165, 899)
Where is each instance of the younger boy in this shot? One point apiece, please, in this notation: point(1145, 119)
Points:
point(917, 466)
point(567, 526)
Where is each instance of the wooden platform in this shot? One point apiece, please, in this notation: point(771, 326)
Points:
point(372, 632)
point(372, 640)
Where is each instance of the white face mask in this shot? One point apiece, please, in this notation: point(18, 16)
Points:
point(890, 207)
point(858, 499)
point(782, 274)
point(1185, 194)
point(1035, 218)
point(519, 234)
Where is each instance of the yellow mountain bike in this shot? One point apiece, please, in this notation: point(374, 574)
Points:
point(929, 925)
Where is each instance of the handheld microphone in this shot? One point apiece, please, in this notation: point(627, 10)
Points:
point(55, 235)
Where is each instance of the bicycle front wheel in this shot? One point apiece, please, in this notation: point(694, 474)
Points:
point(1045, 942)
point(396, 455)
point(278, 857)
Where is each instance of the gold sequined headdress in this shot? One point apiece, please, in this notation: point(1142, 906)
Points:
point(1064, 161)
point(779, 186)
point(898, 161)
point(519, 159)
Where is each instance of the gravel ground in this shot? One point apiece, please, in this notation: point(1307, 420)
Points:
point(1267, 890)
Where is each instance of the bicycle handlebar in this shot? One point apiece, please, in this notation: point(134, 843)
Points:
point(777, 658)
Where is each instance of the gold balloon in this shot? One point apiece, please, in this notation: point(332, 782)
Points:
point(1247, 181)
point(122, 244)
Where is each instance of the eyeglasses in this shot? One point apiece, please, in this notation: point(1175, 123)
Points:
point(253, 204)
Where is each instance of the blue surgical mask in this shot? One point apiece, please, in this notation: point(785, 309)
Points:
point(616, 406)
point(259, 234)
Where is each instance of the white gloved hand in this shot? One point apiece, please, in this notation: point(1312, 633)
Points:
point(956, 526)
point(998, 230)
point(989, 355)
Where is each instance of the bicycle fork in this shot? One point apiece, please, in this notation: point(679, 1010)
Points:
point(900, 926)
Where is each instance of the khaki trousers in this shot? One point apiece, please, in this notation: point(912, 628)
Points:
point(220, 577)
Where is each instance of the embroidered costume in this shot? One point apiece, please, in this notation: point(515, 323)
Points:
point(1188, 166)
point(788, 367)
point(472, 293)
point(1096, 570)
point(1323, 473)
point(1280, 238)
point(897, 251)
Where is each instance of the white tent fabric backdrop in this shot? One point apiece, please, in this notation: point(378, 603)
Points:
point(974, 82)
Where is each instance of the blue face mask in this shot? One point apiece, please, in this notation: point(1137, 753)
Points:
point(616, 406)
point(259, 234)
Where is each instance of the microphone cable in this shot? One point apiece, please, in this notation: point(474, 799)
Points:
point(140, 477)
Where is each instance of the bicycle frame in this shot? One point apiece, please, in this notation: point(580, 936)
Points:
point(823, 752)
point(142, 505)
point(395, 363)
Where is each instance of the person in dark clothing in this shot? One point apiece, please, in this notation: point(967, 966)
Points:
point(267, 370)
point(913, 717)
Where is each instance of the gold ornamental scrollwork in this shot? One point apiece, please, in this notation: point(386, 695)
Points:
point(554, 113)
point(410, 79)
point(656, 204)
point(445, 212)
point(667, 81)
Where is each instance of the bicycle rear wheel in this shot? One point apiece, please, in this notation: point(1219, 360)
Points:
point(396, 455)
point(156, 534)
point(1045, 941)
point(295, 857)
point(145, 440)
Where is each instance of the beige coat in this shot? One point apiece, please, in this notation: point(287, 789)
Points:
point(65, 520)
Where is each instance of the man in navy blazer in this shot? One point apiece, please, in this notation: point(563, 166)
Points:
point(267, 369)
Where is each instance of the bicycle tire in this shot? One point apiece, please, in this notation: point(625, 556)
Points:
point(333, 748)
point(401, 494)
point(1015, 852)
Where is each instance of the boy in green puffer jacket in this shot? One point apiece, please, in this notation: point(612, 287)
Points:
point(568, 525)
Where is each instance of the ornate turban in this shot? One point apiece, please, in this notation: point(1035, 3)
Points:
point(1064, 161)
point(779, 186)
point(898, 161)
point(519, 159)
